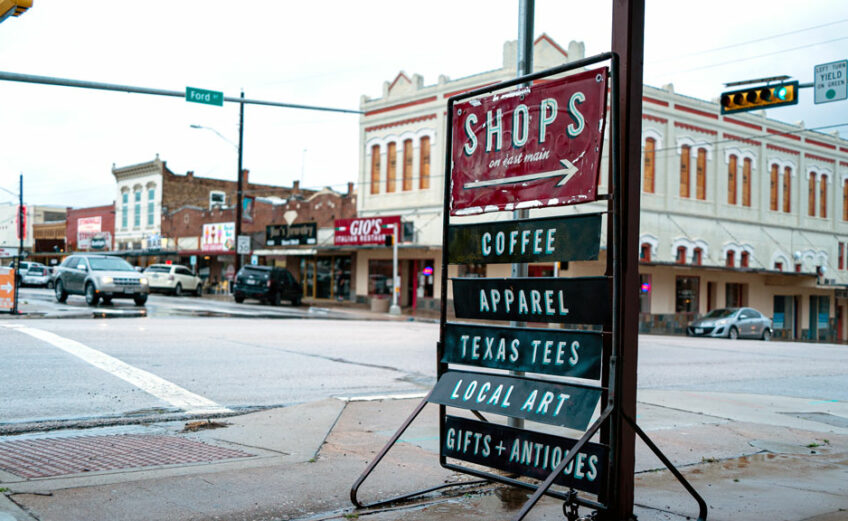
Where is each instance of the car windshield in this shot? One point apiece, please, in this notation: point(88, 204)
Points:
point(36, 271)
point(158, 269)
point(109, 264)
point(720, 313)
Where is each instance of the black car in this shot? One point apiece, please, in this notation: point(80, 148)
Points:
point(267, 284)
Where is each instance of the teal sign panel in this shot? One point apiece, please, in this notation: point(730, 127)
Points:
point(540, 401)
point(560, 239)
point(556, 352)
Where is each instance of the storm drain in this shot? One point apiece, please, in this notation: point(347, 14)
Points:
point(41, 458)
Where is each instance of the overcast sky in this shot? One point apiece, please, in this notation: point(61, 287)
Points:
point(329, 53)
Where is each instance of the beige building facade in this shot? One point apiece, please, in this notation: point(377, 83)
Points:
point(737, 210)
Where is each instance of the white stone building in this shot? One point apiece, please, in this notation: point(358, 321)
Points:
point(737, 210)
point(138, 205)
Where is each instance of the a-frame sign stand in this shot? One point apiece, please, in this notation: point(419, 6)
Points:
point(536, 146)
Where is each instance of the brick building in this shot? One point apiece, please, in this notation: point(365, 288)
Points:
point(90, 229)
point(161, 215)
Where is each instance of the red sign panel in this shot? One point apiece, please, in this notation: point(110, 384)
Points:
point(365, 230)
point(532, 147)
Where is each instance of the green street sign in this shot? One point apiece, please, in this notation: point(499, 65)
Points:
point(207, 97)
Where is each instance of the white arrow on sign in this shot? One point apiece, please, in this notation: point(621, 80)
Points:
point(567, 173)
point(7, 287)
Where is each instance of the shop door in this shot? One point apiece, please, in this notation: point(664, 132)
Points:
point(308, 278)
point(323, 277)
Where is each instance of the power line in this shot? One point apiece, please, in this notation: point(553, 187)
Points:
point(748, 42)
point(738, 60)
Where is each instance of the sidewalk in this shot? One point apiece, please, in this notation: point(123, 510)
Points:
point(299, 463)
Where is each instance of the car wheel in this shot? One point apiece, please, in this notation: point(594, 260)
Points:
point(766, 335)
point(61, 294)
point(239, 298)
point(91, 296)
point(734, 333)
point(275, 299)
point(178, 290)
point(198, 290)
point(50, 285)
point(140, 300)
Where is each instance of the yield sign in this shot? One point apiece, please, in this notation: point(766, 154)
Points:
point(532, 147)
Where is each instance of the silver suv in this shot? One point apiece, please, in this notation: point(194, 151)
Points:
point(99, 277)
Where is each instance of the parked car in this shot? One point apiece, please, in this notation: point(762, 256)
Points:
point(23, 269)
point(99, 277)
point(732, 323)
point(267, 284)
point(173, 278)
point(38, 276)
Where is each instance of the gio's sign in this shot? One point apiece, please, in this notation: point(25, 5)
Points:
point(365, 230)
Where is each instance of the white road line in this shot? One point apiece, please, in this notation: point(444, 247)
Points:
point(148, 382)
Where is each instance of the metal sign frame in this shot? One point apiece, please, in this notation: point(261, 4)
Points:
point(607, 493)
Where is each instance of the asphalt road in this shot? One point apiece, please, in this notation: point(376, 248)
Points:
point(66, 370)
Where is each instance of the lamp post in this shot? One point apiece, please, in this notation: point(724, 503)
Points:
point(239, 176)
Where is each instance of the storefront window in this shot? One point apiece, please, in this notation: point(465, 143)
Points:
point(471, 270)
point(543, 270)
point(686, 294)
point(644, 293)
point(379, 277)
point(341, 277)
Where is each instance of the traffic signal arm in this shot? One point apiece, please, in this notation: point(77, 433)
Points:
point(13, 8)
point(763, 96)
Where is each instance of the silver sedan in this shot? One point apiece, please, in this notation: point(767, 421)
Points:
point(732, 323)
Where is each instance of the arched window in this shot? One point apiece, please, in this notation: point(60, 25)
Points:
point(137, 207)
point(375, 169)
point(645, 252)
point(684, 170)
point(650, 160)
point(391, 170)
point(787, 189)
point(731, 258)
point(731, 180)
point(773, 184)
point(407, 165)
point(697, 256)
point(746, 182)
point(424, 173)
point(778, 266)
point(681, 255)
point(151, 204)
point(701, 175)
point(823, 196)
point(744, 259)
point(125, 209)
point(811, 195)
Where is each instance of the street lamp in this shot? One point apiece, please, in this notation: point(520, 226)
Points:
point(239, 185)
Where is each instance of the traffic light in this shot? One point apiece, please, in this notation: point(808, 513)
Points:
point(13, 8)
point(763, 96)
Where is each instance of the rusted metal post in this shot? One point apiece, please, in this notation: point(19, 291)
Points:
point(628, 32)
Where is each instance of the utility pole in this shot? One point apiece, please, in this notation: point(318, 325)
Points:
point(395, 309)
point(239, 186)
point(21, 229)
point(524, 65)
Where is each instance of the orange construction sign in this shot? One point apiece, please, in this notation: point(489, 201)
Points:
point(7, 289)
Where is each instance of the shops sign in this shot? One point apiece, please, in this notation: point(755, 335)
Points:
point(365, 230)
point(536, 146)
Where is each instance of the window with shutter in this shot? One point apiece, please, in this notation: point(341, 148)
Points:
point(746, 182)
point(684, 170)
point(391, 170)
point(375, 169)
point(650, 151)
point(773, 188)
point(811, 195)
point(823, 196)
point(701, 175)
point(731, 181)
point(787, 190)
point(407, 165)
point(425, 163)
